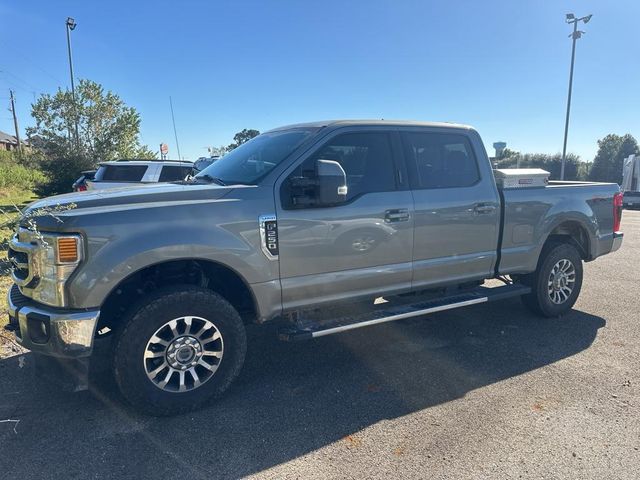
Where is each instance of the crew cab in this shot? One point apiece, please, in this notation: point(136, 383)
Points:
point(317, 228)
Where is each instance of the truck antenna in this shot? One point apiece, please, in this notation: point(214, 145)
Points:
point(175, 132)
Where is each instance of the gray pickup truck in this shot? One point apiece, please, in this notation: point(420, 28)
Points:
point(314, 228)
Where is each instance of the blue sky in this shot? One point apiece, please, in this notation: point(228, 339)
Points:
point(501, 66)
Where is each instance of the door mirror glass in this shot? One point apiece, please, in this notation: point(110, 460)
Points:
point(332, 182)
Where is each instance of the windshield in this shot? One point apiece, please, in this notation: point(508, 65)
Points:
point(252, 160)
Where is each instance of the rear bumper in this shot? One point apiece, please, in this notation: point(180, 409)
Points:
point(617, 241)
point(51, 331)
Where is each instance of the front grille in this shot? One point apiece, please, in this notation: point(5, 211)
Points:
point(21, 249)
point(17, 298)
point(19, 263)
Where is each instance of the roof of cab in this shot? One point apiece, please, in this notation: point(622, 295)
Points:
point(186, 163)
point(358, 123)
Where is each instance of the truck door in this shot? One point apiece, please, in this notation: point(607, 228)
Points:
point(360, 246)
point(457, 207)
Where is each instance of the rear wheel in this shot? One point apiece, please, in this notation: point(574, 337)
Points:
point(180, 348)
point(557, 282)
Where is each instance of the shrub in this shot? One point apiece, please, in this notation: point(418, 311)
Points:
point(14, 176)
point(60, 173)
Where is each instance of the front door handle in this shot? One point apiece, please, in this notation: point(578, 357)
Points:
point(481, 208)
point(396, 215)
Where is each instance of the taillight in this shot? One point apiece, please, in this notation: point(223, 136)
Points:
point(617, 211)
point(82, 188)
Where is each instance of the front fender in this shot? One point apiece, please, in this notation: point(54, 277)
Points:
point(115, 256)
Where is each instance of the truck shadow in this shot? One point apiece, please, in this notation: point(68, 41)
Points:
point(290, 400)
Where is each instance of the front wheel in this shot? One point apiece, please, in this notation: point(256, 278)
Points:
point(556, 284)
point(179, 348)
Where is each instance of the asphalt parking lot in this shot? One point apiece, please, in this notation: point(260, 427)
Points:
point(489, 391)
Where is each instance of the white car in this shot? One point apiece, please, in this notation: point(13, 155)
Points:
point(124, 173)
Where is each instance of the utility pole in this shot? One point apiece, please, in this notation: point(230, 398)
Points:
point(575, 35)
point(71, 25)
point(15, 119)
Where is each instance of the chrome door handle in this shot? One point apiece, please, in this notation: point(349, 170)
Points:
point(396, 215)
point(481, 208)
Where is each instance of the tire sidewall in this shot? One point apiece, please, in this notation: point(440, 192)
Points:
point(143, 321)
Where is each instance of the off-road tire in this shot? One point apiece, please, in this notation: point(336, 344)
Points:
point(140, 324)
point(540, 300)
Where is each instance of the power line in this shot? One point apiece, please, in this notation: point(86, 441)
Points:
point(33, 63)
point(20, 79)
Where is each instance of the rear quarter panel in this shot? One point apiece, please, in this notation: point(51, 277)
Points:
point(531, 215)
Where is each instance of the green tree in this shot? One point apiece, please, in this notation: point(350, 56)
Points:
point(612, 150)
point(507, 153)
point(107, 128)
point(241, 137)
point(551, 163)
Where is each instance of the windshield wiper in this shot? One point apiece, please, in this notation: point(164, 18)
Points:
point(211, 179)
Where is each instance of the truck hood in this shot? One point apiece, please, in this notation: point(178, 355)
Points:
point(118, 199)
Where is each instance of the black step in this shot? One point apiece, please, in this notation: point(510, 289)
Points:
point(399, 312)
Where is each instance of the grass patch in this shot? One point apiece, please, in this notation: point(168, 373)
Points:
point(10, 200)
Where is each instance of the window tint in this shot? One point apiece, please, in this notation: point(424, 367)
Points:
point(121, 173)
point(440, 160)
point(171, 173)
point(365, 157)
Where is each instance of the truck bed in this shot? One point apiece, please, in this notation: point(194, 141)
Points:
point(530, 215)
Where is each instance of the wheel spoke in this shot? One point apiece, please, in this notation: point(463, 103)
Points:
point(212, 353)
point(158, 369)
point(173, 325)
point(151, 354)
point(189, 323)
point(164, 382)
point(194, 375)
point(211, 368)
point(204, 328)
point(182, 386)
point(159, 341)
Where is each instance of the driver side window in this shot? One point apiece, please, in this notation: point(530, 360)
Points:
point(366, 159)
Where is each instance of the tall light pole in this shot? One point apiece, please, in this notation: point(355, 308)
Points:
point(575, 35)
point(71, 25)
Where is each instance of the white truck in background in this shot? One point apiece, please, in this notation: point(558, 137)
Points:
point(631, 181)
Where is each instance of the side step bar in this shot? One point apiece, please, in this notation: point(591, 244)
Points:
point(400, 312)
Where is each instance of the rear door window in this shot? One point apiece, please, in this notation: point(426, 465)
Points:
point(121, 173)
point(173, 173)
point(440, 160)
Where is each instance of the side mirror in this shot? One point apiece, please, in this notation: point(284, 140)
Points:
point(332, 182)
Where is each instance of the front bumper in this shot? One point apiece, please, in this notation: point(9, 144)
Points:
point(617, 241)
point(51, 331)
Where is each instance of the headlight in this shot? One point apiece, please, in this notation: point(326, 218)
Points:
point(54, 260)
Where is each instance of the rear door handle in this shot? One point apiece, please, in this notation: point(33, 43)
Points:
point(481, 208)
point(396, 215)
